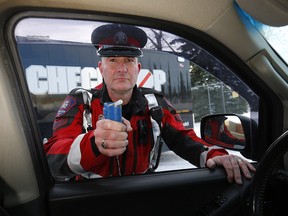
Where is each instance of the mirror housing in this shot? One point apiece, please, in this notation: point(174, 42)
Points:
point(230, 131)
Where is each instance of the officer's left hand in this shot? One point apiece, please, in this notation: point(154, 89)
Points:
point(233, 165)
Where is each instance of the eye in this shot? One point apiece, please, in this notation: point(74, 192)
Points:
point(112, 59)
point(131, 60)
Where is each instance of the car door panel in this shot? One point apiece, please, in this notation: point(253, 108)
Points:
point(190, 192)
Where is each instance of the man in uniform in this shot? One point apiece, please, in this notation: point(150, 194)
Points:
point(111, 148)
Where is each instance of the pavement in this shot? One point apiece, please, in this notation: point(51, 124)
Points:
point(170, 161)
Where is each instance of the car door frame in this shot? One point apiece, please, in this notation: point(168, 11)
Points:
point(56, 197)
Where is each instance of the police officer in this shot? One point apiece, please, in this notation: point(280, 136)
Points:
point(111, 148)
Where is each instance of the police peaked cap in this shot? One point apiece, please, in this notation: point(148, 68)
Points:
point(118, 40)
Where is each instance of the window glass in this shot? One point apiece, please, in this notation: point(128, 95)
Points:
point(57, 56)
point(276, 36)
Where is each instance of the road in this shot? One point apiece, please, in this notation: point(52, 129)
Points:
point(170, 161)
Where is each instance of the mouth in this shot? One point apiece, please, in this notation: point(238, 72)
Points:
point(121, 78)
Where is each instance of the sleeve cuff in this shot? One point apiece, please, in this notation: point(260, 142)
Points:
point(94, 147)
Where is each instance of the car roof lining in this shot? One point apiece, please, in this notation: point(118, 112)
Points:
point(270, 12)
point(181, 13)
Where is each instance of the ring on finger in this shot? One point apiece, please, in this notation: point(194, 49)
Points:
point(103, 144)
point(239, 160)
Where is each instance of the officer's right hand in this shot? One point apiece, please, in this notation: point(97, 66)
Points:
point(111, 137)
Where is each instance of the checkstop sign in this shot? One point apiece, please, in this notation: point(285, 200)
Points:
point(145, 79)
point(149, 80)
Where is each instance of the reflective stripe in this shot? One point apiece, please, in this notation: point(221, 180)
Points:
point(87, 118)
point(74, 159)
point(203, 156)
point(152, 102)
point(90, 175)
point(74, 156)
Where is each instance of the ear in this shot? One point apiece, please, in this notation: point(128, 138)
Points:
point(139, 67)
point(100, 67)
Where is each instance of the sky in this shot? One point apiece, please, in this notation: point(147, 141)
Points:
point(73, 30)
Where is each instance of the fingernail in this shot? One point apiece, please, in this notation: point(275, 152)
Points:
point(239, 181)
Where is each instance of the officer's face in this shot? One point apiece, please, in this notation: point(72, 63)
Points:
point(120, 73)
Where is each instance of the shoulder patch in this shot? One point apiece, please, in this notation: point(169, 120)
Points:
point(68, 103)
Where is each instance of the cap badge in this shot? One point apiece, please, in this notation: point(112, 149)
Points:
point(120, 38)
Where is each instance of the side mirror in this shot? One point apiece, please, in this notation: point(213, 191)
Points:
point(226, 130)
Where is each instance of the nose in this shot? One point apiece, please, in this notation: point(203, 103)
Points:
point(122, 67)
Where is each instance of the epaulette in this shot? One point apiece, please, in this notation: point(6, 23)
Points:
point(93, 91)
point(73, 91)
